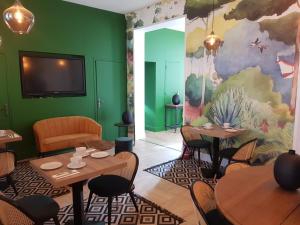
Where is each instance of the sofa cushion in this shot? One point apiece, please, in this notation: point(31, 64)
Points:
point(66, 141)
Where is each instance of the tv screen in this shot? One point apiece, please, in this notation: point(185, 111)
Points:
point(47, 74)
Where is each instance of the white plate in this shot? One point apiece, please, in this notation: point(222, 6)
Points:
point(99, 155)
point(231, 130)
point(71, 166)
point(208, 128)
point(51, 165)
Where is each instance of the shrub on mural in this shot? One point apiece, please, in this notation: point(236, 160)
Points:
point(251, 82)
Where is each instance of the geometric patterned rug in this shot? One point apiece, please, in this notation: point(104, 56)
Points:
point(123, 212)
point(29, 182)
point(181, 172)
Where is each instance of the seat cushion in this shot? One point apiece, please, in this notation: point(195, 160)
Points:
point(214, 217)
point(109, 185)
point(41, 208)
point(67, 141)
point(198, 144)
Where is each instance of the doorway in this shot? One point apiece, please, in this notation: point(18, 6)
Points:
point(159, 52)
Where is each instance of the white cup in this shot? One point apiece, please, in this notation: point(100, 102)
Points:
point(208, 125)
point(76, 160)
point(80, 150)
point(226, 125)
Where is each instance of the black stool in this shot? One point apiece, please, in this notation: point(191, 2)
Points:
point(123, 144)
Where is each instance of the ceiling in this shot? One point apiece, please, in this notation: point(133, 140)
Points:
point(118, 6)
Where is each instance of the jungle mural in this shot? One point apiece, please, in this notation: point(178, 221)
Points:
point(251, 82)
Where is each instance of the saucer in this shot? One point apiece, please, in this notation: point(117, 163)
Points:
point(99, 155)
point(51, 165)
point(71, 166)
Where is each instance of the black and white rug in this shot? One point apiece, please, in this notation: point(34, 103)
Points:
point(181, 172)
point(29, 182)
point(123, 212)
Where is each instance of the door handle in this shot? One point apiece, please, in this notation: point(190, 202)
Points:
point(5, 110)
point(99, 103)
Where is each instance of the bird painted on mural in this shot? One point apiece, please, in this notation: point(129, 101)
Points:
point(257, 44)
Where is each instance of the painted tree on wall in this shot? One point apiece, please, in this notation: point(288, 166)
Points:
point(258, 62)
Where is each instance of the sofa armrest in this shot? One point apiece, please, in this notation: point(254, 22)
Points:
point(92, 127)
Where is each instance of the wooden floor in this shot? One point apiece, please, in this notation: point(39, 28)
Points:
point(172, 197)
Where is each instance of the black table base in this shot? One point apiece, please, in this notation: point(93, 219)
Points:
point(78, 210)
point(210, 173)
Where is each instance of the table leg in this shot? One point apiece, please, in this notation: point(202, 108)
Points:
point(210, 173)
point(79, 218)
point(176, 119)
point(166, 126)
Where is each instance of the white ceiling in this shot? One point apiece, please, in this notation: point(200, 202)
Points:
point(118, 6)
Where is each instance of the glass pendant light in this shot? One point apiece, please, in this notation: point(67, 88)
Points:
point(18, 19)
point(213, 41)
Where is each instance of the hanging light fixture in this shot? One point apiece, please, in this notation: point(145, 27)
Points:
point(213, 41)
point(18, 19)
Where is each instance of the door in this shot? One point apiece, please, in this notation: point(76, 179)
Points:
point(174, 82)
point(111, 96)
point(4, 107)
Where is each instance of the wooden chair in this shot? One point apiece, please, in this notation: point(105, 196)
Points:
point(242, 154)
point(235, 166)
point(205, 205)
point(32, 210)
point(115, 184)
point(7, 166)
point(194, 142)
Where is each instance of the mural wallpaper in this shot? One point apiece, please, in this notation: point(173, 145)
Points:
point(251, 82)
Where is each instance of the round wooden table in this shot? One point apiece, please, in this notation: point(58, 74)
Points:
point(251, 196)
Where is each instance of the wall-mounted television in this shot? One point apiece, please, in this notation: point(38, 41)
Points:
point(51, 75)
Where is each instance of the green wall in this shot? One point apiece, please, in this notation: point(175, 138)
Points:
point(164, 48)
point(68, 28)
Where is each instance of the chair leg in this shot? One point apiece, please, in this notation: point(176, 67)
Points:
point(133, 200)
point(89, 202)
point(55, 219)
point(199, 160)
point(11, 182)
point(185, 148)
point(109, 210)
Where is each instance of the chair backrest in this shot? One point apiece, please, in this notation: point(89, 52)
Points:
point(204, 200)
point(8, 160)
point(10, 214)
point(129, 172)
point(235, 166)
point(189, 133)
point(245, 151)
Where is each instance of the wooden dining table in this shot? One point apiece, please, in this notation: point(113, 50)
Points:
point(251, 196)
point(217, 133)
point(94, 167)
point(9, 137)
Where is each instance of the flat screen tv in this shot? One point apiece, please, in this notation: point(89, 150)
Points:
point(51, 75)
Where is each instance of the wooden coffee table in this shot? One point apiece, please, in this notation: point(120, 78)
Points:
point(217, 133)
point(252, 196)
point(100, 145)
point(11, 136)
point(94, 167)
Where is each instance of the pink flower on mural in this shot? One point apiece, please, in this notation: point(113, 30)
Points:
point(264, 126)
point(192, 112)
point(281, 124)
point(130, 57)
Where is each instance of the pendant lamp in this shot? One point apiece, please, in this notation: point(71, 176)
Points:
point(213, 41)
point(18, 19)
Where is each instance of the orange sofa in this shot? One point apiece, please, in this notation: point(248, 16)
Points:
point(65, 132)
